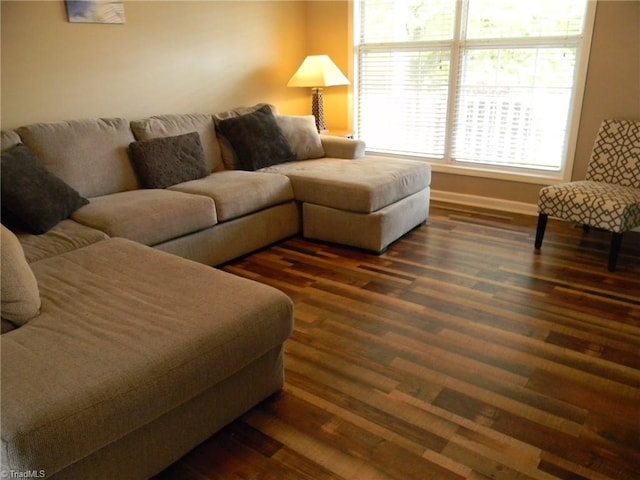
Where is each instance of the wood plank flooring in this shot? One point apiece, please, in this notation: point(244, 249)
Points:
point(460, 353)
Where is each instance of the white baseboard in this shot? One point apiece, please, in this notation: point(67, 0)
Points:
point(485, 202)
point(490, 203)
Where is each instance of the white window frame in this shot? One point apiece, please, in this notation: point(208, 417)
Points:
point(449, 165)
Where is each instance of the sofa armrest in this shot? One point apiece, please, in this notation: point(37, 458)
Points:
point(341, 147)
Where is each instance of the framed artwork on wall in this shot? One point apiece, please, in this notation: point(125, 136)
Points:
point(95, 11)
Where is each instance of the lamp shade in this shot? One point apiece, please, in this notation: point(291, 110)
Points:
point(318, 71)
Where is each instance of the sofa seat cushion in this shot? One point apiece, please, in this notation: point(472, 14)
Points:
point(64, 237)
point(148, 216)
point(365, 185)
point(237, 192)
point(125, 335)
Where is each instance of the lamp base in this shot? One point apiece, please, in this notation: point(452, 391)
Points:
point(317, 108)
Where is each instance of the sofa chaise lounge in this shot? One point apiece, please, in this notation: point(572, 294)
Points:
point(135, 357)
point(131, 350)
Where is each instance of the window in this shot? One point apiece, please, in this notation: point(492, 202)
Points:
point(481, 84)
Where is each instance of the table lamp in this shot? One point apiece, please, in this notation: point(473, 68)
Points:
point(318, 71)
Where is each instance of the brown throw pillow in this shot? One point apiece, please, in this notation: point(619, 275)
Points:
point(162, 162)
point(257, 139)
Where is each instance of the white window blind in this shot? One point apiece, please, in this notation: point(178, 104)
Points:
point(470, 82)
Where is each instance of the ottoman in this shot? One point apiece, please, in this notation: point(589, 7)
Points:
point(366, 203)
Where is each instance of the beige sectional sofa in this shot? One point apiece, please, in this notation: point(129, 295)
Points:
point(135, 357)
point(124, 357)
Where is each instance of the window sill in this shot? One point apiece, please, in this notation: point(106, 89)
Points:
point(524, 176)
point(537, 177)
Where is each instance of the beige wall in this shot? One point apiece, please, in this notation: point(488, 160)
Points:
point(169, 57)
point(328, 33)
point(183, 56)
point(613, 80)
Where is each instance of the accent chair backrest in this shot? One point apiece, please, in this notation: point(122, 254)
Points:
point(615, 157)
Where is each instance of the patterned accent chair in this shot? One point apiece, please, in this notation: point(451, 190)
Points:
point(609, 197)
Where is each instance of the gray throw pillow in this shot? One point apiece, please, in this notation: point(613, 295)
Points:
point(166, 161)
point(257, 139)
point(33, 197)
point(229, 157)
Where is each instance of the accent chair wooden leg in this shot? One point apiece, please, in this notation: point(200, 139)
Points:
point(614, 249)
point(542, 225)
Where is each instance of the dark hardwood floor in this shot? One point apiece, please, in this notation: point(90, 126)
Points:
point(460, 353)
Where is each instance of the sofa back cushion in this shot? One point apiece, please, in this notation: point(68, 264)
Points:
point(179, 124)
point(89, 155)
point(302, 135)
point(8, 139)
